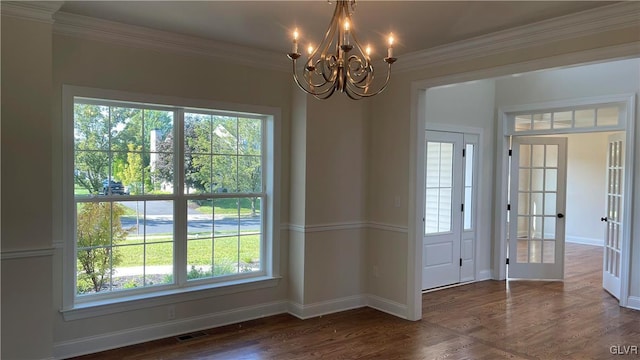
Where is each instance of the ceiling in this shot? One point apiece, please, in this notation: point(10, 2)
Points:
point(267, 25)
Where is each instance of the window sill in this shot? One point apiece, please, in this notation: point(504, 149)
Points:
point(166, 297)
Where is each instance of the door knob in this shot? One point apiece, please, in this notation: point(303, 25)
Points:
point(560, 215)
point(605, 219)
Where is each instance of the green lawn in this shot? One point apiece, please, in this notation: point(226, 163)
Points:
point(199, 252)
point(225, 206)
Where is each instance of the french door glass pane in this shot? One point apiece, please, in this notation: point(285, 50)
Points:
point(439, 181)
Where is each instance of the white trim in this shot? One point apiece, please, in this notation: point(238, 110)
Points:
point(41, 11)
point(633, 302)
point(346, 226)
point(90, 28)
point(387, 306)
point(387, 227)
point(26, 253)
point(593, 21)
point(163, 329)
point(334, 227)
point(327, 307)
point(168, 297)
point(584, 240)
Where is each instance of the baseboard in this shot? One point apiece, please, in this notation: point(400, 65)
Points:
point(326, 307)
point(387, 306)
point(146, 333)
point(633, 302)
point(584, 240)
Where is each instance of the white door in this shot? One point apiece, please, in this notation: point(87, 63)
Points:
point(443, 213)
point(613, 233)
point(537, 224)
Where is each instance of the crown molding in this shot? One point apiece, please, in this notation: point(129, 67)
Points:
point(41, 11)
point(136, 36)
point(607, 18)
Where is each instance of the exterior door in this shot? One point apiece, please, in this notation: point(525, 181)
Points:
point(537, 224)
point(615, 197)
point(443, 216)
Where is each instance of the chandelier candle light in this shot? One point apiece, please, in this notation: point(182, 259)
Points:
point(339, 62)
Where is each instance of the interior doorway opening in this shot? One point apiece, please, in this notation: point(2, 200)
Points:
point(591, 178)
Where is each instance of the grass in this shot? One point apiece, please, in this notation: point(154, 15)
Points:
point(225, 206)
point(199, 252)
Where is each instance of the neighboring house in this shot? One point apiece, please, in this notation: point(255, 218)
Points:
point(346, 224)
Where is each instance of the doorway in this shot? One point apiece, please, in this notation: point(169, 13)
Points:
point(532, 222)
point(449, 222)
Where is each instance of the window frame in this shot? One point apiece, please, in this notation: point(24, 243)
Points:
point(76, 306)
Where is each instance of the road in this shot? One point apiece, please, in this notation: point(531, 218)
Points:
point(159, 220)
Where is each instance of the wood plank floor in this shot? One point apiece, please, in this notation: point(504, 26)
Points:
point(574, 319)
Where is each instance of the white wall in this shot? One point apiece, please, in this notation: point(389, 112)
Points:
point(586, 186)
point(26, 192)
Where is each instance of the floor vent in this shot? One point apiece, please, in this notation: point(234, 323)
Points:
point(191, 336)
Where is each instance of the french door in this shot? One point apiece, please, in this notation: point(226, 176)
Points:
point(614, 206)
point(537, 224)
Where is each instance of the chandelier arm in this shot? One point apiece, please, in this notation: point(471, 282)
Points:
point(366, 75)
point(366, 95)
point(304, 88)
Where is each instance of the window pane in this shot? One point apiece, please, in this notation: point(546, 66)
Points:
point(249, 253)
point(552, 156)
point(99, 231)
point(250, 142)
point(585, 118)
point(468, 172)
point(249, 174)
point(607, 116)
point(431, 211)
point(542, 121)
point(91, 127)
point(225, 255)
point(563, 120)
point(224, 136)
point(197, 177)
point(522, 122)
point(468, 208)
point(126, 129)
point(433, 164)
point(158, 124)
point(225, 174)
point(199, 258)
point(446, 165)
point(197, 133)
point(444, 211)
point(91, 168)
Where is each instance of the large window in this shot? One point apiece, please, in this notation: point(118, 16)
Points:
point(167, 197)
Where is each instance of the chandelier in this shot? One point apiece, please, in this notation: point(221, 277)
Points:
point(339, 62)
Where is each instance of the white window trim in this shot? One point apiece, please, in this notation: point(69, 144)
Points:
point(73, 309)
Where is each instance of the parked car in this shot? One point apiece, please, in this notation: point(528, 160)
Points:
point(111, 187)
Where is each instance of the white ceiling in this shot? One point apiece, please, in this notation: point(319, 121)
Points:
point(267, 25)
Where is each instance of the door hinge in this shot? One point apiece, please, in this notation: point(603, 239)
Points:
point(464, 152)
point(509, 207)
point(460, 261)
point(462, 207)
point(422, 219)
point(510, 152)
point(507, 261)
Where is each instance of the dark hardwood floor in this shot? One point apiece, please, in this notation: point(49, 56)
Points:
point(574, 319)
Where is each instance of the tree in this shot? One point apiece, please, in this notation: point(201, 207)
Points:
point(91, 134)
point(133, 173)
point(99, 228)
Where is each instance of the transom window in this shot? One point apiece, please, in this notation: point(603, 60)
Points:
point(167, 197)
point(594, 118)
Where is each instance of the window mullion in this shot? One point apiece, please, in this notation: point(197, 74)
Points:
point(180, 203)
